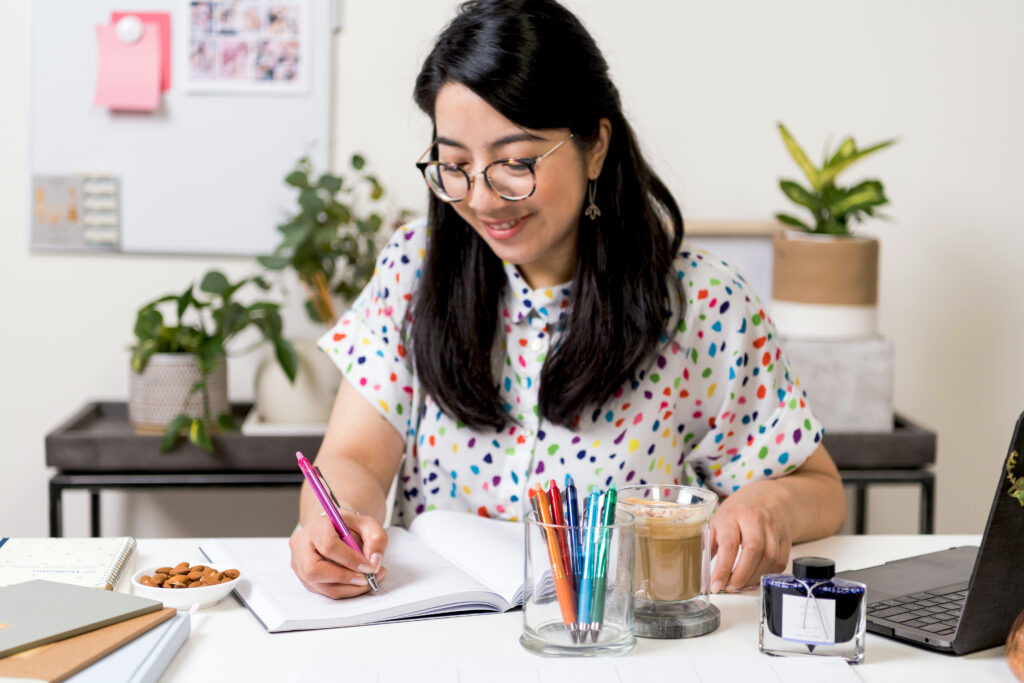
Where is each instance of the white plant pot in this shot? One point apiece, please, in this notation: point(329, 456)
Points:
point(160, 392)
point(308, 400)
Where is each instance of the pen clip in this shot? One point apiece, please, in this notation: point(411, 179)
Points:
point(327, 487)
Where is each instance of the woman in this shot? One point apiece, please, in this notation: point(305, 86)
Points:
point(547, 320)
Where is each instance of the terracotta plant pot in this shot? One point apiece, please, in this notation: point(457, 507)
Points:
point(160, 392)
point(824, 286)
point(1015, 647)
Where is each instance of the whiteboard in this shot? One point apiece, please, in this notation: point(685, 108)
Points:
point(204, 173)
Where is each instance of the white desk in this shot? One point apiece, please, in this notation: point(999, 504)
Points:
point(229, 644)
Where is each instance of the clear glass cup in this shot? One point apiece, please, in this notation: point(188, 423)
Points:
point(551, 613)
point(671, 581)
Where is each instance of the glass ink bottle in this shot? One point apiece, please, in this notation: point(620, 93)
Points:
point(809, 612)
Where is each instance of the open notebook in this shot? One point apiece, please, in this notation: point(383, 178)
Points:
point(99, 562)
point(446, 562)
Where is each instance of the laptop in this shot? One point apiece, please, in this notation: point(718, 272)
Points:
point(959, 600)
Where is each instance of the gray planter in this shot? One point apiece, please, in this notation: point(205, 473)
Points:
point(158, 393)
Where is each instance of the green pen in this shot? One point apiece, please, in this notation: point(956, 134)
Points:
point(600, 575)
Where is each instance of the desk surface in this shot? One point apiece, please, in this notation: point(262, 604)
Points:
point(228, 643)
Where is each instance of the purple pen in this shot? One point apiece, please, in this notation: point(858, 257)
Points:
point(327, 504)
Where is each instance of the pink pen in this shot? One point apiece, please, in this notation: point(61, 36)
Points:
point(322, 494)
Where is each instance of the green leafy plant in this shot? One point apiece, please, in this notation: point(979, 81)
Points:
point(1016, 483)
point(203, 323)
point(331, 243)
point(835, 209)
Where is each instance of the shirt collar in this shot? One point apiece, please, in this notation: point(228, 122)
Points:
point(549, 303)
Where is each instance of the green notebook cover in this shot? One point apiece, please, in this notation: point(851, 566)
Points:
point(37, 612)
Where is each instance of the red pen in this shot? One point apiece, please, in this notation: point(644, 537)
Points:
point(559, 518)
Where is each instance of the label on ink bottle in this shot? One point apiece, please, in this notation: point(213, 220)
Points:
point(809, 621)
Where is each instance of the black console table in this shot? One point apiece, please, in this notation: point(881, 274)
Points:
point(903, 456)
point(98, 449)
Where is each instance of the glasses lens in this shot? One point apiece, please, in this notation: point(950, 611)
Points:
point(511, 179)
point(447, 181)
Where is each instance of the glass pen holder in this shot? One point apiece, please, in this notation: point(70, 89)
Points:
point(554, 592)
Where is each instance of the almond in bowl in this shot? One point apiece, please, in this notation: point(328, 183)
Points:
point(183, 585)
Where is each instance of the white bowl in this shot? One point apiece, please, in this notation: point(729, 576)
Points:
point(184, 598)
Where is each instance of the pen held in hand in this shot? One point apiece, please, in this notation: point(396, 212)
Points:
point(323, 493)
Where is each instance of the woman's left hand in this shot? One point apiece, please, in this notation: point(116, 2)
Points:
point(755, 523)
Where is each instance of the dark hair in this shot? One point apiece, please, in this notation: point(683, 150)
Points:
point(536, 64)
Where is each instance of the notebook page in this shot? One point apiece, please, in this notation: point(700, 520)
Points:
point(419, 582)
point(79, 561)
point(490, 549)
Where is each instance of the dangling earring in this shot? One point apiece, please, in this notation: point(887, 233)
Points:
point(592, 212)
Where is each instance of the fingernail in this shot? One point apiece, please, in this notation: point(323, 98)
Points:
point(730, 589)
point(366, 569)
point(359, 581)
point(375, 561)
point(716, 586)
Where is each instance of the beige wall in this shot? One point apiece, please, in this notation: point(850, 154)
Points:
point(704, 84)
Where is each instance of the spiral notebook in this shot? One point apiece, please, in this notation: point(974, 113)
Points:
point(99, 562)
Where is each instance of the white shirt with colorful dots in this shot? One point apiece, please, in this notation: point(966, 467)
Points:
point(717, 407)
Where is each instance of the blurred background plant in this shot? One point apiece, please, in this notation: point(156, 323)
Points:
point(331, 242)
point(834, 209)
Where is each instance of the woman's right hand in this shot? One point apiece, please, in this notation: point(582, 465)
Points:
point(326, 565)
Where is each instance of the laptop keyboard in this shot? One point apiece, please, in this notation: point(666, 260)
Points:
point(936, 611)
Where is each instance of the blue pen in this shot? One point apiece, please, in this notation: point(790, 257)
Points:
point(572, 518)
point(589, 563)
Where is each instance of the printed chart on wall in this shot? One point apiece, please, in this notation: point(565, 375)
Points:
point(256, 47)
point(168, 126)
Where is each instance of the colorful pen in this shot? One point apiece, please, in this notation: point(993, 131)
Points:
point(589, 562)
point(572, 518)
point(559, 518)
point(601, 571)
point(323, 493)
point(563, 586)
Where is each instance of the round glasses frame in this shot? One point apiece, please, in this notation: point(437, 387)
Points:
point(471, 176)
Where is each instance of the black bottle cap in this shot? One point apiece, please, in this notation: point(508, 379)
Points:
point(813, 568)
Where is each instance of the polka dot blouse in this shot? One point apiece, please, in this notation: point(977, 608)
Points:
point(717, 407)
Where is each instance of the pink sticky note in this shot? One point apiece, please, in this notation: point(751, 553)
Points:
point(128, 76)
point(163, 22)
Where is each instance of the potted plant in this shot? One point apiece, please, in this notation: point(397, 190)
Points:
point(330, 243)
point(825, 278)
point(179, 368)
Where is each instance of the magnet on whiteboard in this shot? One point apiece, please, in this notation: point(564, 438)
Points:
point(129, 29)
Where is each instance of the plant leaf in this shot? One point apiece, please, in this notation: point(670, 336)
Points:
point(214, 282)
point(331, 183)
point(847, 148)
point(801, 159)
point(830, 173)
point(798, 194)
point(311, 312)
point(172, 434)
point(358, 162)
point(198, 434)
point(859, 200)
point(183, 301)
point(286, 357)
point(226, 423)
point(273, 262)
point(790, 220)
point(297, 179)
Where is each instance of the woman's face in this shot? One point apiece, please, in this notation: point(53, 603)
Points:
point(537, 234)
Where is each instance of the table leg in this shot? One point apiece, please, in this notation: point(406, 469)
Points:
point(94, 512)
point(860, 508)
point(56, 513)
point(927, 505)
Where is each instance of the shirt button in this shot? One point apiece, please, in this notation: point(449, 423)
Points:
point(537, 345)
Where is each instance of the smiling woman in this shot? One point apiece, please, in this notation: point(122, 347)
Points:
point(546, 321)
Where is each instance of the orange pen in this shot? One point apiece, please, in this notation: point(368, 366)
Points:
point(563, 585)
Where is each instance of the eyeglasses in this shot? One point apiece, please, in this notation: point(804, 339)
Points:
point(511, 179)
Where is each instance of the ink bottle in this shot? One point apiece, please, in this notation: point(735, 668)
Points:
point(809, 612)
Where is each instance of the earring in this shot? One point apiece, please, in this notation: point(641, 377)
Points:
point(592, 212)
